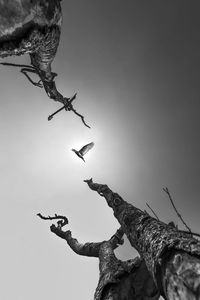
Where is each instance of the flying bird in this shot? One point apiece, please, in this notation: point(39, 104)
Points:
point(83, 150)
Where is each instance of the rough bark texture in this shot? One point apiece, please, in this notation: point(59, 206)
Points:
point(118, 280)
point(33, 27)
point(25, 25)
point(181, 277)
point(156, 242)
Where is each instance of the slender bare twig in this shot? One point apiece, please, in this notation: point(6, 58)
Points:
point(62, 219)
point(82, 117)
point(17, 65)
point(166, 190)
point(152, 211)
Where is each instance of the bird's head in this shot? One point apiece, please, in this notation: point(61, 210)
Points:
point(73, 150)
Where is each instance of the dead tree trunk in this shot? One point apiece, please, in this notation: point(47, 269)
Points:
point(172, 257)
point(118, 280)
point(34, 28)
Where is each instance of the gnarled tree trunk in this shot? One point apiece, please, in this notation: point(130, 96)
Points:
point(172, 257)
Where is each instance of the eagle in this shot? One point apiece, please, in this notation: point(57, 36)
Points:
point(83, 150)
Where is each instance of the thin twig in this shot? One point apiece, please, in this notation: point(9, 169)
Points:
point(152, 211)
point(17, 65)
point(82, 117)
point(72, 108)
point(178, 214)
point(56, 217)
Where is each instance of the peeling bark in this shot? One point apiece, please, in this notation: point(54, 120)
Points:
point(160, 245)
point(118, 280)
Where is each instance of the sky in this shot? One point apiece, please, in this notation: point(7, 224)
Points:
point(135, 65)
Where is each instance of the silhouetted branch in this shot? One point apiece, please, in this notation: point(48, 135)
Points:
point(63, 220)
point(166, 190)
point(41, 42)
point(17, 65)
point(82, 117)
point(152, 211)
point(50, 89)
point(69, 107)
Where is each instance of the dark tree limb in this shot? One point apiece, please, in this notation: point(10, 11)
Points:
point(37, 35)
point(62, 219)
point(157, 243)
point(152, 211)
point(50, 89)
point(81, 116)
point(25, 70)
point(87, 249)
point(17, 65)
point(68, 106)
point(166, 190)
point(117, 279)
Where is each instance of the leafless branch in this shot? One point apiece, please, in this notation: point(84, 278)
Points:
point(17, 65)
point(50, 88)
point(82, 117)
point(62, 219)
point(166, 190)
point(152, 211)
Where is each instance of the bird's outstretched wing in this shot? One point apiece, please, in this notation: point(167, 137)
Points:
point(86, 148)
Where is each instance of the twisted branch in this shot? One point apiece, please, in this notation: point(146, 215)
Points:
point(50, 88)
point(62, 219)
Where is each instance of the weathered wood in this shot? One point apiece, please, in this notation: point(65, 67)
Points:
point(26, 26)
point(33, 27)
point(159, 244)
point(118, 280)
point(181, 277)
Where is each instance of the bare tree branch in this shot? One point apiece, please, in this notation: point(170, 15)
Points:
point(50, 89)
point(62, 219)
point(17, 65)
point(166, 190)
point(69, 107)
point(82, 117)
point(152, 211)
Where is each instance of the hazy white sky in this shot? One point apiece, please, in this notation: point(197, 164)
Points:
point(135, 66)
